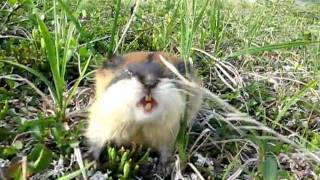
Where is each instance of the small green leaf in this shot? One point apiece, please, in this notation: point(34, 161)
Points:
point(18, 145)
point(57, 135)
point(136, 169)
point(84, 13)
point(270, 168)
point(7, 151)
point(144, 158)
point(315, 140)
point(40, 158)
point(5, 134)
point(113, 155)
point(74, 144)
point(3, 110)
point(12, 2)
point(28, 3)
point(12, 84)
point(122, 151)
point(124, 158)
point(83, 52)
point(126, 170)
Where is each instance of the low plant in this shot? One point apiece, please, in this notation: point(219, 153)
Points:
point(59, 48)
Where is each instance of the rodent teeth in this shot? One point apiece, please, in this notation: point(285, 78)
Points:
point(148, 106)
point(148, 97)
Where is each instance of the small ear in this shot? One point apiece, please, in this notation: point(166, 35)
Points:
point(113, 62)
point(184, 67)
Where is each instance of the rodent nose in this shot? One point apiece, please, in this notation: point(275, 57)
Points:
point(150, 82)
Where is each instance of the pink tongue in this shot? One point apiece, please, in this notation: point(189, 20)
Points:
point(148, 107)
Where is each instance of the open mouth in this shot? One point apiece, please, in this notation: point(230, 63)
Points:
point(148, 103)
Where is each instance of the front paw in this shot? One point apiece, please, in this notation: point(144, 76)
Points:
point(99, 158)
point(165, 164)
point(164, 169)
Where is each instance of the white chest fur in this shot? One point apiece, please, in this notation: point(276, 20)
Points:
point(116, 117)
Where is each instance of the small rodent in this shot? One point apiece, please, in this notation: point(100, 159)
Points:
point(137, 101)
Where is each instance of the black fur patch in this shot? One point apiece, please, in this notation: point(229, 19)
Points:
point(183, 67)
point(113, 62)
point(120, 75)
point(150, 57)
point(146, 68)
point(148, 72)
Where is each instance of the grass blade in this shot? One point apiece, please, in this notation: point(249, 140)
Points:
point(270, 47)
point(68, 51)
point(114, 27)
point(71, 16)
point(216, 28)
point(75, 174)
point(293, 99)
point(52, 58)
point(200, 17)
point(75, 86)
point(34, 72)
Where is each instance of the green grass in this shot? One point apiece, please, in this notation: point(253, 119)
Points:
point(262, 59)
point(59, 48)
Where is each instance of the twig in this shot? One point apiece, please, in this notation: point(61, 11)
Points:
point(178, 174)
point(24, 167)
point(95, 40)
point(196, 171)
point(77, 153)
point(195, 144)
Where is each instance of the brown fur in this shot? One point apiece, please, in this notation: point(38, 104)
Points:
point(104, 76)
